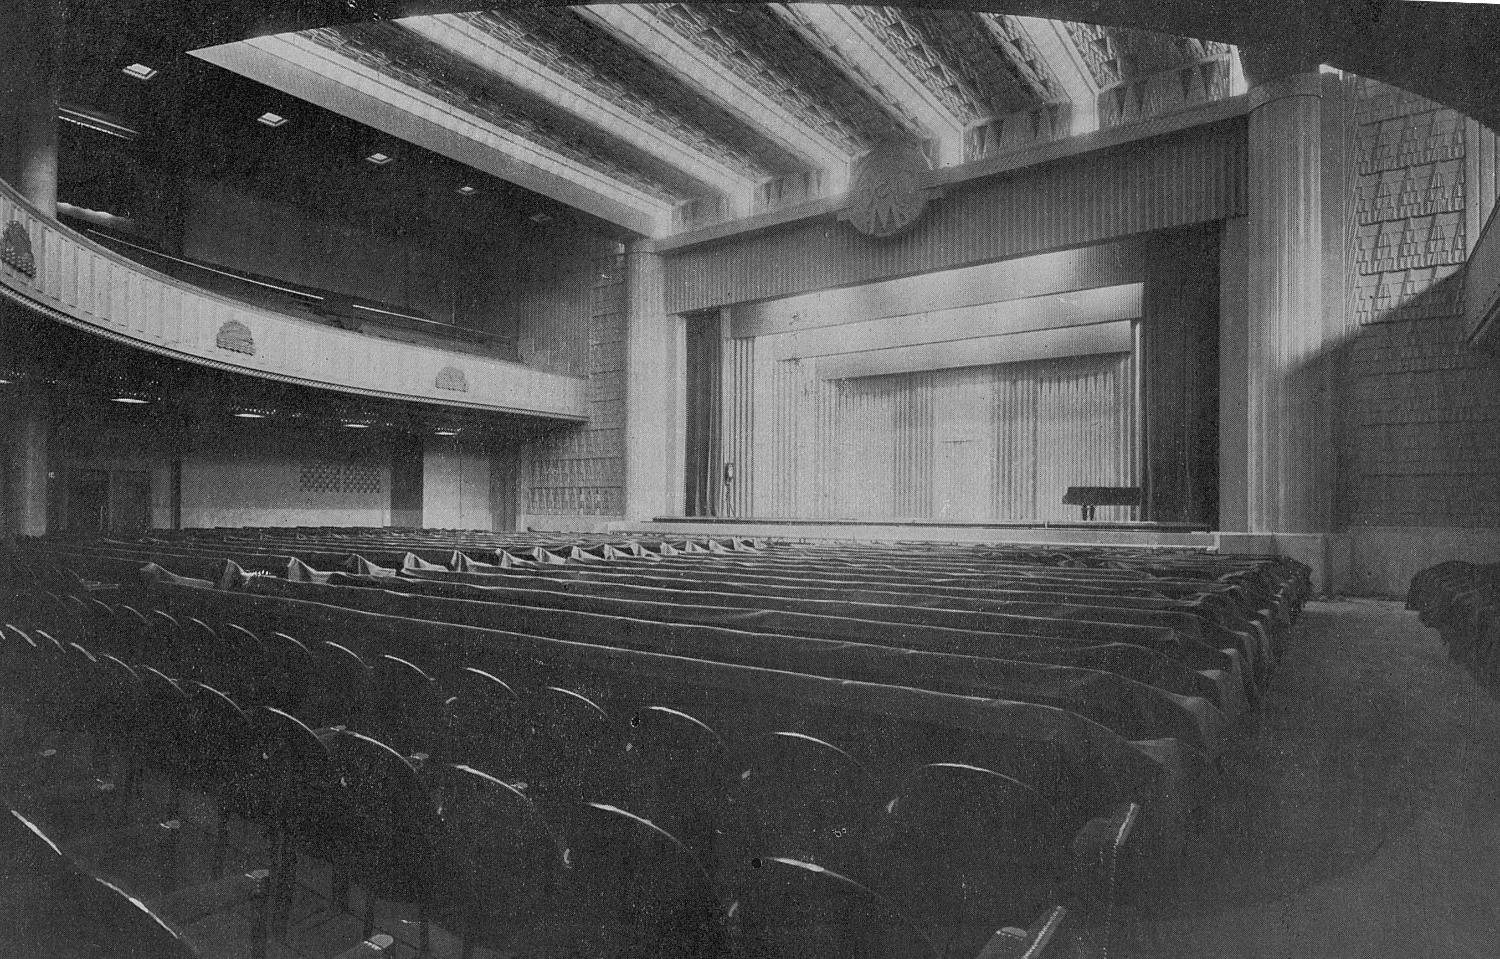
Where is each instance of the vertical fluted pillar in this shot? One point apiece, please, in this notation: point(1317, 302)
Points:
point(655, 386)
point(26, 472)
point(28, 99)
point(1289, 455)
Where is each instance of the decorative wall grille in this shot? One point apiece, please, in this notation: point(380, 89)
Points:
point(340, 478)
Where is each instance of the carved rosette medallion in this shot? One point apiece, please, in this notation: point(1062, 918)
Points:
point(235, 337)
point(887, 197)
point(452, 378)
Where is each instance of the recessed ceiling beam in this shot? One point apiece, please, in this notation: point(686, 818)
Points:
point(1051, 40)
point(303, 69)
point(638, 27)
point(480, 48)
point(866, 60)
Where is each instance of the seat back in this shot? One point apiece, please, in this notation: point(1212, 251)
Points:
point(485, 723)
point(971, 850)
point(793, 909)
point(644, 888)
point(392, 828)
point(289, 672)
point(407, 706)
point(302, 780)
point(506, 862)
point(221, 754)
point(572, 752)
point(67, 912)
point(800, 797)
point(339, 693)
point(678, 774)
point(166, 646)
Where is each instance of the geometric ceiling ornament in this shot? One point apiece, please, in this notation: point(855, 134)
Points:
point(452, 378)
point(886, 196)
point(235, 337)
point(15, 249)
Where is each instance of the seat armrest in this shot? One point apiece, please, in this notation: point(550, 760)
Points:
point(1030, 943)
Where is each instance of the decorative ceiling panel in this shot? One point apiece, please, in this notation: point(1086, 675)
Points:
point(1118, 54)
point(405, 58)
point(960, 61)
point(762, 50)
point(615, 72)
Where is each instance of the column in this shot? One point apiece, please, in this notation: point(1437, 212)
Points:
point(655, 394)
point(26, 471)
point(28, 100)
point(1289, 453)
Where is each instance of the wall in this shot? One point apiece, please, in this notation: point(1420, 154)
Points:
point(277, 477)
point(574, 477)
point(455, 485)
point(1420, 462)
point(423, 272)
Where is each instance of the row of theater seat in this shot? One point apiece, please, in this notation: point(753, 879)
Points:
point(800, 794)
point(618, 641)
point(1461, 600)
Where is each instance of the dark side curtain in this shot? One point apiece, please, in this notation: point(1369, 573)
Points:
point(1180, 368)
point(704, 404)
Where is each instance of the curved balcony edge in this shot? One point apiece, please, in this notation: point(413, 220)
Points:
point(65, 277)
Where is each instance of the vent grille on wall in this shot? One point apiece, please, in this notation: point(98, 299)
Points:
point(340, 478)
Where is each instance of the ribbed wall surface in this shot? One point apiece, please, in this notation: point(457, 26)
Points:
point(1173, 180)
point(980, 444)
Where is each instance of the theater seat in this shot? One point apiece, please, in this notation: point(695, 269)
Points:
point(53, 909)
point(793, 909)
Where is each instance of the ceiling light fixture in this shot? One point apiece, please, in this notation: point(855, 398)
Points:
point(131, 400)
point(250, 415)
point(540, 218)
point(93, 121)
point(356, 426)
point(271, 119)
point(379, 159)
point(446, 432)
point(467, 190)
point(139, 71)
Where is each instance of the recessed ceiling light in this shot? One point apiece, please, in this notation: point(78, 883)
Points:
point(467, 190)
point(379, 159)
point(250, 415)
point(133, 400)
point(271, 119)
point(140, 71)
point(540, 218)
point(446, 432)
point(356, 426)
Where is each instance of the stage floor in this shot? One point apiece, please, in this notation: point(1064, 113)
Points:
point(1070, 534)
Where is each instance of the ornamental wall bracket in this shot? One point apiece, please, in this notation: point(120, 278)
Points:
point(452, 378)
point(15, 249)
point(887, 195)
point(235, 337)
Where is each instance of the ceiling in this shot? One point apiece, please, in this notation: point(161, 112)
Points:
point(652, 119)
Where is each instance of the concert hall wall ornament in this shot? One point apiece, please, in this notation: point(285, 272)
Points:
point(887, 196)
point(235, 337)
point(15, 249)
point(452, 378)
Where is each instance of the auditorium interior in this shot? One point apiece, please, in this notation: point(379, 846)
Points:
point(941, 480)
